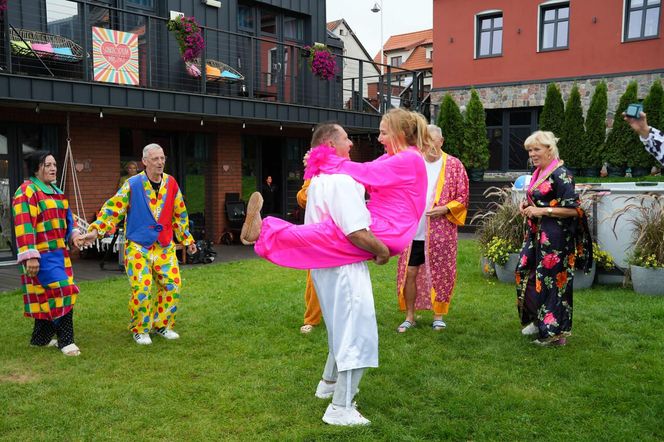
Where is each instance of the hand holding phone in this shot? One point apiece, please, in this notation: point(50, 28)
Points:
point(634, 110)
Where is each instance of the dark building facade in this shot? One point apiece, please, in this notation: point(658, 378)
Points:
point(247, 113)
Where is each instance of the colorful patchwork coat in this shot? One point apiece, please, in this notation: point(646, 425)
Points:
point(44, 225)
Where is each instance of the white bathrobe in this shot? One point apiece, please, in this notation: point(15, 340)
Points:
point(345, 293)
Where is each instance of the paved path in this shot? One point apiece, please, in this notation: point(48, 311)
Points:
point(89, 269)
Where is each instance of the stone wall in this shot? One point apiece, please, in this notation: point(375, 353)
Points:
point(533, 94)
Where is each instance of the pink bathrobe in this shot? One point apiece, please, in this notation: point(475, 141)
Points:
point(397, 187)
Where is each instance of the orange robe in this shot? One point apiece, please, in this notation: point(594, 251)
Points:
point(312, 313)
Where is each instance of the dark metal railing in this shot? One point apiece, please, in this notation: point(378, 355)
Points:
point(232, 64)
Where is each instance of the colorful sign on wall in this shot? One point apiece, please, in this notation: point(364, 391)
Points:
point(115, 56)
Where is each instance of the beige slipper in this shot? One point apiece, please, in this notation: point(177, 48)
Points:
point(70, 350)
point(251, 229)
point(306, 328)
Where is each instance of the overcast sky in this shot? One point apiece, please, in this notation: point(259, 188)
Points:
point(399, 17)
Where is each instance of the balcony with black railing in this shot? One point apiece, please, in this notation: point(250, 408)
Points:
point(76, 41)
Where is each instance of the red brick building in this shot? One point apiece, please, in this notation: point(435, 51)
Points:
point(509, 50)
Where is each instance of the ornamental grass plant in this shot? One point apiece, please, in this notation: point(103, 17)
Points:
point(501, 225)
point(645, 213)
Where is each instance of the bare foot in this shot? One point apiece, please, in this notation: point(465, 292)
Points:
point(251, 229)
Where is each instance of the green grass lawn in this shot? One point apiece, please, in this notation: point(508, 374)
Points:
point(242, 370)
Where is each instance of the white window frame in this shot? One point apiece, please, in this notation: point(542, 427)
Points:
point(623, 36)
point(476, 19)
point(539, 22)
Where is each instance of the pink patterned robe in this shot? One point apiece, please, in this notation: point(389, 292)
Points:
point(436, 278)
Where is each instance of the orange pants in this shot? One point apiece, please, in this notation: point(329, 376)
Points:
point(312, 313)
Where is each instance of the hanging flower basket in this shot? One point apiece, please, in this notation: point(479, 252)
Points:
point(188, 34)
point(3, 6)
point(321, 61)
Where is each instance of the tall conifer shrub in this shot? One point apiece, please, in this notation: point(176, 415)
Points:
point(572, 133)
point(552, 115)
point(475, 153)
point(622, 142)
point(595, 128)
point(450, 122)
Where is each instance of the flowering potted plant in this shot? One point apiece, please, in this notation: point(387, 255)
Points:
point(500, 233)
point(607, 272)
point(321, 61)
point(505, 254)
point(188, 34)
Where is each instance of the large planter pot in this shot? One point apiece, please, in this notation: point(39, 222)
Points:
point(584, 280)
point(505, 273)
point(590, 171)
point(647, 281)
point(616, 171)
point(609, 277)
point(487, 267)
point(476, 174)
point(640, 171)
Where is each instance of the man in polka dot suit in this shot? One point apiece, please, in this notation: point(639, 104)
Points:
point(154, 210)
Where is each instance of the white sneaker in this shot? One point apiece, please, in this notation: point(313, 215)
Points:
point(530, 329)
point(142, 338)
point(167, 333)
point(325, 390)
point(344, 416)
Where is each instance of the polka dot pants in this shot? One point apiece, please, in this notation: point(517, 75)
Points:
point(148, 267)
point(62, 327)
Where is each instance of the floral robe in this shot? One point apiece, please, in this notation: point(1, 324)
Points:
point(435, 283)
point(552, 249)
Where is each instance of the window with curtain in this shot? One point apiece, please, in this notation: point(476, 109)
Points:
point(245, 18)
point(293, 28)
point(642, 19)
point(554, 27)
point(490, 35)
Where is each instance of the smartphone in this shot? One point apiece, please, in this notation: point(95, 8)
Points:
point(634, 110)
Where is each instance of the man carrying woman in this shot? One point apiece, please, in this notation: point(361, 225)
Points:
point(396, 184)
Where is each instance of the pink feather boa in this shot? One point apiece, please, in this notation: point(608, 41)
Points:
point(321, 159)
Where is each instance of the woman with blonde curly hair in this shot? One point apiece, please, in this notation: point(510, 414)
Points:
point(557, 241)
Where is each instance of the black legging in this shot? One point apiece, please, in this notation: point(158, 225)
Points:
point(62, 327)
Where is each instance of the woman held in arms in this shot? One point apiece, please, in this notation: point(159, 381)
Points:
point(557, 241)
point(44, 228)
point(396, 183)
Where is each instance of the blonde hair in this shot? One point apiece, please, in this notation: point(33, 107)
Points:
point(546, 139)
point(406, 129)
